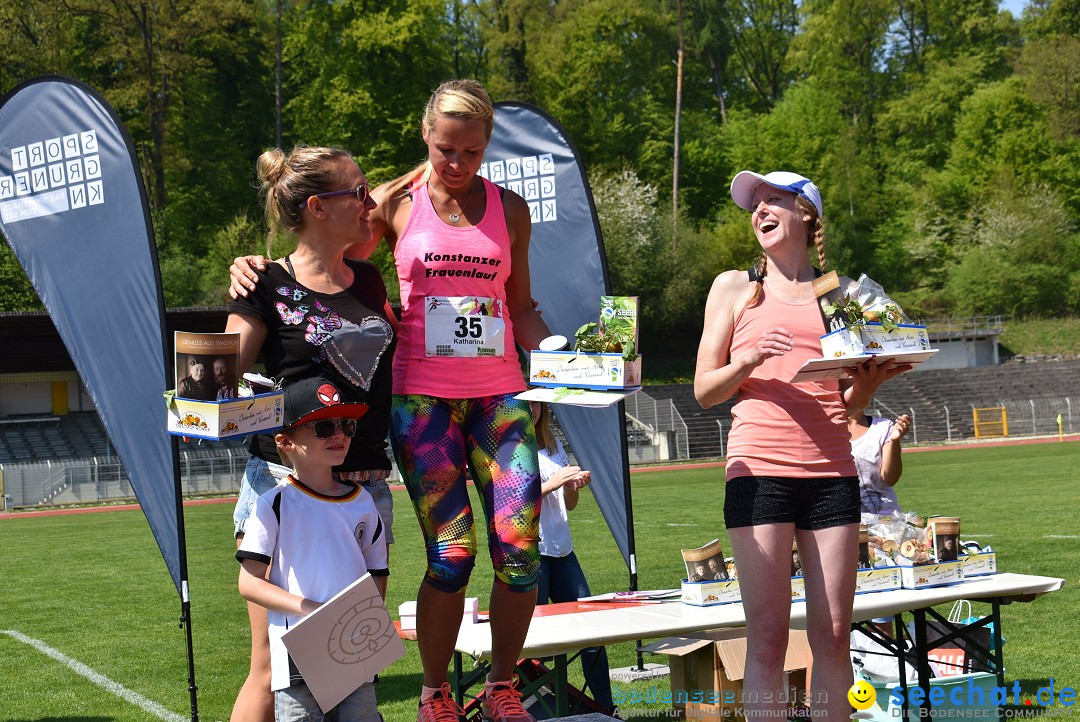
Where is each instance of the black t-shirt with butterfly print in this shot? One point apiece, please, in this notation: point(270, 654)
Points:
point(343, 336)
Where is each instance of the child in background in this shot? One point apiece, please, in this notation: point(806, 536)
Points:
point(317, 535)
point(561, 577)
point(875, 444)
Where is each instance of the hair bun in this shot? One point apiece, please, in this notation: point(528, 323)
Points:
point(271, 166)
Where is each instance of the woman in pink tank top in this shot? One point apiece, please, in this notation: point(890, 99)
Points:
point(461, 247)
point(790, 475)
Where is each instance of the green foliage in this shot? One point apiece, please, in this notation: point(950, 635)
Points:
point(989, 280)
point(603, 69)
point(944, 134)
point(670, 275)
point(18, 294)
point(241, 237)
point(1049, 65)
point(919, 123)
point(761, 33)
point(360, 74)
point(1030, 336)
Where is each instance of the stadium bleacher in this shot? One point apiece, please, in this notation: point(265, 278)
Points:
point(77, 435)
point(926, 393)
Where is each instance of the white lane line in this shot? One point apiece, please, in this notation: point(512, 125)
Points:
point(1061, 536)
point(147, 705)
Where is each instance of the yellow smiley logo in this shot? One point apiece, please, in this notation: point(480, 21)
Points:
point(862, 695)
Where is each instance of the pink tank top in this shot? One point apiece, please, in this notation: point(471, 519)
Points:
point(780, 428)
point(456, 339)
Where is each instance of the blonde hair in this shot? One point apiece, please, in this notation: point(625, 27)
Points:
point(814, 238)
point(462, 98)
point(545, 436)
point(287, 181)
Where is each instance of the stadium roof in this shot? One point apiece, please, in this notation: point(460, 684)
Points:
point(34, 343)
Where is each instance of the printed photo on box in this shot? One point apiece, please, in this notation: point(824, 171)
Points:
point(706, 563)
point(945, 537)
point(207, 365)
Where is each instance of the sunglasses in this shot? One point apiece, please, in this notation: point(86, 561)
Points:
point(361, 192)
point(325, 428)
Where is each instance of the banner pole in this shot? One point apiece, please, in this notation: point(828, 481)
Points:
point(185, 621)
point(629, 506)
point(181, 535)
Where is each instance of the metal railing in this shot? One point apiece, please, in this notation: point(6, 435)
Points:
point(98, 479)
point(1027, 417)
point(218, 471)
point(661, 416)
point(964, 326)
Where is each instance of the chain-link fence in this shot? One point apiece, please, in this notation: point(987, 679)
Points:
point(655, 423)
point(932, 423)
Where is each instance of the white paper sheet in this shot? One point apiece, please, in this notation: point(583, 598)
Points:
point(576, 397)
point(836, 368)
point(344, 643)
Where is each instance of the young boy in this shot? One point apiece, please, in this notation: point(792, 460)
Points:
point(317, 535)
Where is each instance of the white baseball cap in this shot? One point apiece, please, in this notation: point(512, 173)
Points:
point(744, 183)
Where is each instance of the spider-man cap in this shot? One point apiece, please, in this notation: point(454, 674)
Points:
point(316, 398)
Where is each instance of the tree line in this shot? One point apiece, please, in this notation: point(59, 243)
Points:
point(944, 134)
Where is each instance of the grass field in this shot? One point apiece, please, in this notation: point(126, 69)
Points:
point(94, 588)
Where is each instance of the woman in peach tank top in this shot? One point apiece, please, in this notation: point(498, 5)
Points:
point(790, 475)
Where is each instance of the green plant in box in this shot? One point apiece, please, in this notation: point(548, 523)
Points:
point(853, 314)
point(588, 339)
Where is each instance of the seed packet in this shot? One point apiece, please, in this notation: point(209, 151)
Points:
point(619, 317)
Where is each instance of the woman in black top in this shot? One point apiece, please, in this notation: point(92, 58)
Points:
point(315, 313)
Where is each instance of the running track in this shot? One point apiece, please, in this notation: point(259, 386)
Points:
point(633, 472)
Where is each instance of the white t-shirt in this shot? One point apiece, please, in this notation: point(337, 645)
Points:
point(555, 538)
point(316, 546)
point(875, 496)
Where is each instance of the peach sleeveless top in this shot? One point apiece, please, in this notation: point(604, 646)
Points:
point(780, 428)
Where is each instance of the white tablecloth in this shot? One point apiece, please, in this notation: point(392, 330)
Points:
point(567, 633)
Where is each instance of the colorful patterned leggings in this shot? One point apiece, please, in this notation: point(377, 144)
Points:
point(434, 439)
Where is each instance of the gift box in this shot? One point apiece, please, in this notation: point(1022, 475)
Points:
point(935, 574)
point(878, 579)
point(841, 342)
point(225, 419)
point(979, 564)
point(798, 589)
point(872, 338)
point(583, 370)
point(902, 339)
point(708, 593)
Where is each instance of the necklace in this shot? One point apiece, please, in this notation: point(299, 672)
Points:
point(454, 217)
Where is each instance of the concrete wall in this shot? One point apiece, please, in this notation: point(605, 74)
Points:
point(961, 353)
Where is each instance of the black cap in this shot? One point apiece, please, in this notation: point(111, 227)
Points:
point(316, 398)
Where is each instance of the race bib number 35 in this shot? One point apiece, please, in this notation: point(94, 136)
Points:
point(464, 326)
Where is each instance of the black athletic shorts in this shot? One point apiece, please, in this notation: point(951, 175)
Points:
point(809, 503)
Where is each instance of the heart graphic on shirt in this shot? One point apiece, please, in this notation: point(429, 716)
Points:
point(355, 350)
